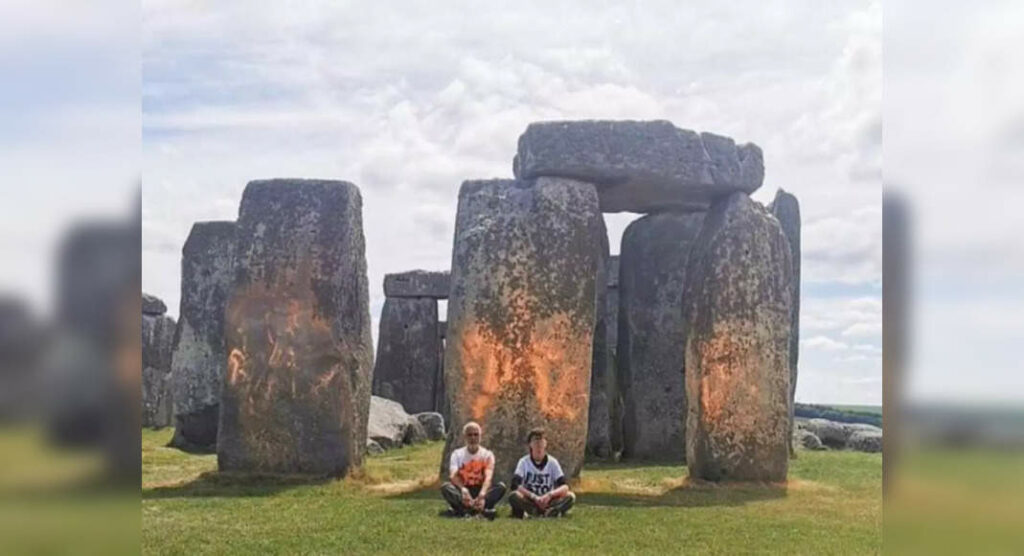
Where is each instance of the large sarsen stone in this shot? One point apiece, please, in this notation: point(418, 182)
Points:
point(737, 303)
point(640, 166)
point(408, 354)
point(417, 283)
point(652, 334)
point(786, 210)
point(297, 329)
point(200, 359)
point(521, 315)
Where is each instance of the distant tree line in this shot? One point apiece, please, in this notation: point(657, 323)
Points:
point(812, 411)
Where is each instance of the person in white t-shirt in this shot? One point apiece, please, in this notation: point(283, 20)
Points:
point(538, 486)
point(470, 470)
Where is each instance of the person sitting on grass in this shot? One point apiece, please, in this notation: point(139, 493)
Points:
point(538, 486)
point(471, 470)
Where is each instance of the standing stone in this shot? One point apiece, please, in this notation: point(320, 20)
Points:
point(440, 392)
point(417, 283)
point(737, 307)
point(640, 166)
point(157, 339)
point(200, 360)
point(652, 334)
point(612, 329)
point(521, 315)
point(599, 416)
point(408, 359)
point(786, 210)
point(153, 305)
point(296, 393)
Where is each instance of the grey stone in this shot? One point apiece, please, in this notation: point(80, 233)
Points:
point(297, 330)
point(599, 442)
point(23, 342)
point(652, 334)
point(417, 283)
point(640, 166)
point(865, 441)
point(157, 338)
point(408, 358)
point(93, 391)
point(612, 330)
point(832, 434)
point(737, 307)
point(807, 440)
point(786, 210)
point(388, 423)
point(200, 357)
point(433, 424)
point(415, 432)
point(373, 448)
point(521, 315)
point(152, 305)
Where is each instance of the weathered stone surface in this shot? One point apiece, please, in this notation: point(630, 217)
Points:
point(417, 283)
point(373, 448)
point(152, 305)
point(786, 210)
point(433, 424)
point(737, 307)
point(838, 435)
point(612, 330)
point(640, 166)
point(865, 441)
point(521, 315)
point(808, 440)
point(652, 334)
point(200, 359)
point(408, 358)
point(832, 434)
point(415, 433)
point(157, 338)
point(388, 423)
point(599, 441)
point(297, 330)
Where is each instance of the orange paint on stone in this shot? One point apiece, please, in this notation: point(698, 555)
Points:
point(550, 367)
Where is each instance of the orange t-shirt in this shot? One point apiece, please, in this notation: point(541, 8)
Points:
point(471, 467)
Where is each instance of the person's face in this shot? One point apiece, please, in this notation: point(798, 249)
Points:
point(538, 447)
point(472, 436)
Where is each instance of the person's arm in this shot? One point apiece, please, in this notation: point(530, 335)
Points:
point(453, 475)
point(488, 477)
point(517, 486)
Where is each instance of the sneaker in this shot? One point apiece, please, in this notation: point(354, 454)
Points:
point(490, 514)
point(449, 513)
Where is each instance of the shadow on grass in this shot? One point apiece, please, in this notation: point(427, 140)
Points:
point(687, 495)
point(217, 484)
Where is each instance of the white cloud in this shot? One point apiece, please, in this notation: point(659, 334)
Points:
point(407, 101)
point(824, 343)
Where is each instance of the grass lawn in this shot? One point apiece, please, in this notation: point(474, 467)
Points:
point(831, 505)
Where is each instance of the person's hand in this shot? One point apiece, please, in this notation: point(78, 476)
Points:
point(543, 501)
point(479, 503)
point(466, 500)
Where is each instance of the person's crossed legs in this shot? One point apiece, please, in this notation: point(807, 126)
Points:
point(522, 505)
point(453, 495)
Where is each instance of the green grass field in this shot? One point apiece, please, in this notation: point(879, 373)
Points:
point(832, 505)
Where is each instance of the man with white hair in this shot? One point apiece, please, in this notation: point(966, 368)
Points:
point(470, 471)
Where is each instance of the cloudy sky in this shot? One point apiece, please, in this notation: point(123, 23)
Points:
point(408, 101)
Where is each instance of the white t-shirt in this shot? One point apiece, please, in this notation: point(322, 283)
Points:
point(471, 467)
point(539, 480)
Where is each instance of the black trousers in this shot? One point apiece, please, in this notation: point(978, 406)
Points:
point(453, 495)
point(521, 505)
